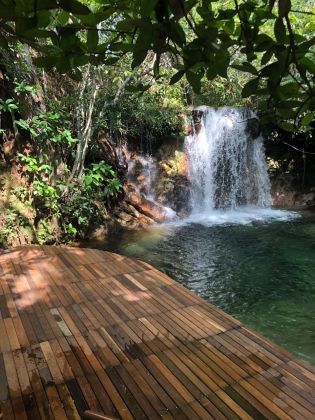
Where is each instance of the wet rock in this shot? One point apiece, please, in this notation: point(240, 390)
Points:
point(99, 234)
point(197, 118)
point(145, 206)
point(287, 193)
point(172, 188)
point(253, 128)
point(294, 199)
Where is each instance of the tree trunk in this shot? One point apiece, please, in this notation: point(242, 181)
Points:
point(84, 122)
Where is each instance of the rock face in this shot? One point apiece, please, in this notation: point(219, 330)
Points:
point(294, 199)
point(173, 186)
point(129, 217)
point(147, 207)
point(158, 185)
point(286, 194)
point(253, 128)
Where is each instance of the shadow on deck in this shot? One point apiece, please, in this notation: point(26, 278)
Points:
point(84, 329)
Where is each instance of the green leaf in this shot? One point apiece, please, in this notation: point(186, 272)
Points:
point(145, 38)
point(250, 88)
point(291, 103)
point(129, 25)
point(147, 7)
point(263, 42)
point(177, 77)
point(287, 126)
point(76, 75)
point(46, 62)
point(22, 25)
point(121, 47)
point(222, 62)
point(92, 39)
point(111, 60)
point(211, 72)
point(272, 70)
point(43, 18)
point(279, 30)
point(305, 46)
point(289, 90)
point(135, 88)
point(103, 15)
point(74, 7)
point(177, 33)
point(138, 57)
point(308, 64)
point(63, 64)
point(286, 113)
point(49, 5)
point(267, 56)
point(80, 60)
point(307, 119)
point(194, 80)
point(63, 17)
point(246, 67)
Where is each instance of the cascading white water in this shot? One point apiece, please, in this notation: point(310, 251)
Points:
point(227, 166)
point(143, 175)
point(149, 173)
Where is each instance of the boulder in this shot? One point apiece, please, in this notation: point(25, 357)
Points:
point(143, 205)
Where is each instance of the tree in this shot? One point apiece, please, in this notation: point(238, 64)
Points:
point(203, 39)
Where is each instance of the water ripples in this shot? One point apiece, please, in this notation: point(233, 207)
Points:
point(261, 273)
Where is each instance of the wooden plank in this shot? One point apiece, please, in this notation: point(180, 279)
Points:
point(265, 400)
point(22, 373)
point(11, 375)
point(86, 329)
point(4, 342)
point(129, 399)
point(6, 410)
point(37, 386)
point(274, 379)
point(20, 332)
point(67, 402)
point(4, 388)
point(105, 354)
point(114, 396)
point(87, 392)
point(146, 389)
point(55, 403)
point(161, 394)
point(254, 402)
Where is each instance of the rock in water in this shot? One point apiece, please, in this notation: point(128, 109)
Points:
point(149, 208)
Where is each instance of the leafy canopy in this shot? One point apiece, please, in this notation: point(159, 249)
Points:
point(270, 40)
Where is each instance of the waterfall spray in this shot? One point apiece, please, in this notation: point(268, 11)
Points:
point(227, 166)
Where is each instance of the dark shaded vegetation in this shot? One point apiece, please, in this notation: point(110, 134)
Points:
point(84, 78)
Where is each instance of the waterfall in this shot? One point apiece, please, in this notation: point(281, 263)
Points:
point(227, 165)
point(149, 174)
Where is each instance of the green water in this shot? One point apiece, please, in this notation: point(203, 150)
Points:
point(261, 273)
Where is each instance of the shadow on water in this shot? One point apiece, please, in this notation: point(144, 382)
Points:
point(261, 273)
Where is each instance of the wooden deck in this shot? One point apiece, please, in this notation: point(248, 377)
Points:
point(86, 329)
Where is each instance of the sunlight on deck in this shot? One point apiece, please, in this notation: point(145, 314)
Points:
point(84, 329)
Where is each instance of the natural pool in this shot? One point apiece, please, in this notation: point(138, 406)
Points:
point(260, 270)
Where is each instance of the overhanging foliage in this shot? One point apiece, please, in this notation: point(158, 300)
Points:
point(270, 40)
